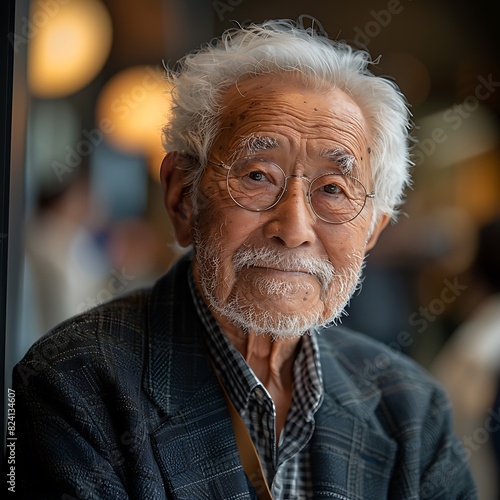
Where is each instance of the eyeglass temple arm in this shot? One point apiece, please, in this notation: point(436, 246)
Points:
point(223, 165)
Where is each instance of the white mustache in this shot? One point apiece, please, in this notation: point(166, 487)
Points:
point(322, 269)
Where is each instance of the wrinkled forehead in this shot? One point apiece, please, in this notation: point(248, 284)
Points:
point(255, 144)
point(251, 92)
point(272, 113)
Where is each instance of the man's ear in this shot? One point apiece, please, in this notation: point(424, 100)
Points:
point(380, 225)
point(175, 197)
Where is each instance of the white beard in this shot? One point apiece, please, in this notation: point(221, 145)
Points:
point(251, 316)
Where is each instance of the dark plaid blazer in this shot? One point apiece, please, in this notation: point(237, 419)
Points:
point(121, 402)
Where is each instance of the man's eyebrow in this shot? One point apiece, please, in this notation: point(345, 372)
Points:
point(255, 143)
point(345, 160)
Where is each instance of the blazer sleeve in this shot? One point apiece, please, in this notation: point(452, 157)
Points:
point(61, 451)
point(446, 473)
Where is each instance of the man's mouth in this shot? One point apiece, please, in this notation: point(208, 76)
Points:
point(272, 261)
point(277, 269)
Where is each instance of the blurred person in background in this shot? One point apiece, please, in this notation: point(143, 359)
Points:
point(469, 363)
point(58, 238)
point(286, 158)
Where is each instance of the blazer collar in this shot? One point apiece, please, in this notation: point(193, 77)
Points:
point(344, 385)
point(177, 365)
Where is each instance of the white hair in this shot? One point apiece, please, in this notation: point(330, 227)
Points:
point(202, 78)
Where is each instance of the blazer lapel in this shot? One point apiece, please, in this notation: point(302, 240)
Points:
point(350, 461)
point(194, 443)
point(350, 457)
point(196, 450)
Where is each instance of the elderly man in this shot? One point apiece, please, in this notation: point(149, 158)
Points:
point(285, 160)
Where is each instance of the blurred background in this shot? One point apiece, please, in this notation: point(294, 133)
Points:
point(86, 214)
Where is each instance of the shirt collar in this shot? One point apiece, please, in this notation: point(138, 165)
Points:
point(239, 379)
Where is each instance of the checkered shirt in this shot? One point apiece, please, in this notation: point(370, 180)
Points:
point(286, 464)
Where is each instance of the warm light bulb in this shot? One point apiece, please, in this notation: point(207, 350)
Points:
point(68, 46)
point(134, 105)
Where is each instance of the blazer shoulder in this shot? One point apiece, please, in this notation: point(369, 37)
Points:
point(379, 383)
point(368, 358)
point(118, 325)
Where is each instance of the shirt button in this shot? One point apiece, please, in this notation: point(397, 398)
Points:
point(259, 393)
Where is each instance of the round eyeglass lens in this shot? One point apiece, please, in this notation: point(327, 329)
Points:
point(258, 184)
point(255, 184)
point(337, 198)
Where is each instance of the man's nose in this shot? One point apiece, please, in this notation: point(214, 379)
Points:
point(291, 220)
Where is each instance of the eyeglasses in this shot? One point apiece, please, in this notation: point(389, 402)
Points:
point(258, 184)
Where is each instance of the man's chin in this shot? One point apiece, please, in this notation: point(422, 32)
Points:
point(278, 325)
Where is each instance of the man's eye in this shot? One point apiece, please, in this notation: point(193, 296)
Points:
point(332, 189)
point(257, 176)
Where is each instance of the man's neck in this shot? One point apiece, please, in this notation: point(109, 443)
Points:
point(268, 358)
point(272, 362)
